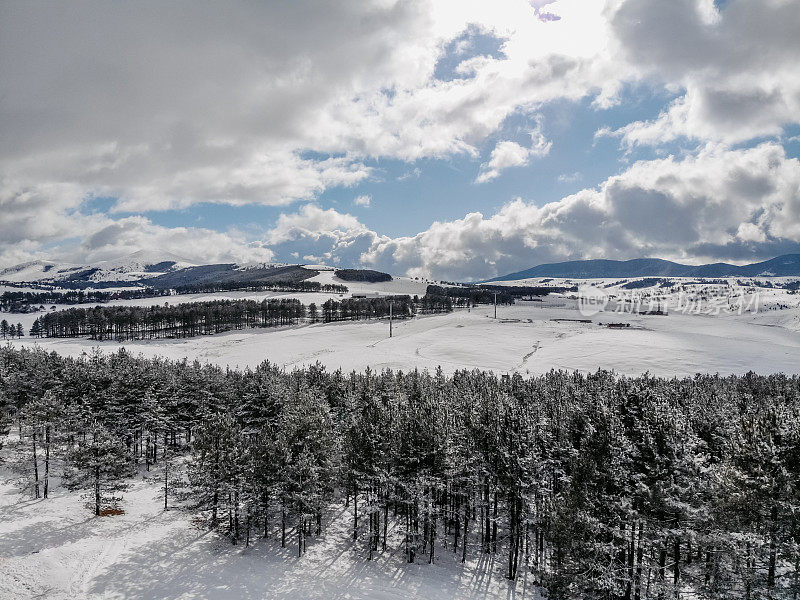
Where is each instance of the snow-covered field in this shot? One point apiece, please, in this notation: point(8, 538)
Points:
point(524, 338)
point(56, 549)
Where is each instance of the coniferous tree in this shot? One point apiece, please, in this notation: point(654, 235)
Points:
point(42, 417)
point(99, 464)
point(601, 486)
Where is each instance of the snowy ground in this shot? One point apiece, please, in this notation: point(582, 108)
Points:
point(57, 549)
point(524, 338)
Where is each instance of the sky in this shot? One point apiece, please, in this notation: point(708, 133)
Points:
point(456, 140)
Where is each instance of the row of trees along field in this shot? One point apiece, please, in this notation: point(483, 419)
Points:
point(485, 293)
point(31, 301)
point(261, 286)
point(27, 301)
point(190, 319)
point(601, 487)
point(367, 275)
point(159, 321)
point(469, 294)
point(368, 308)
point(9, 330)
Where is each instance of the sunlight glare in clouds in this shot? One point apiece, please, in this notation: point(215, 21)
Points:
point(275, 105)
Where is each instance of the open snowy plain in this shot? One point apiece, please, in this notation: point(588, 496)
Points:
point(529, 337)
point(57, 549)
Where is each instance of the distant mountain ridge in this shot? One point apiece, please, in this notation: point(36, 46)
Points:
point(787, 265)
point(156, 269)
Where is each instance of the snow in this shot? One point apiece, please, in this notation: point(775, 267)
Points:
point(135, 266)
point(57, 549)
point(20, 288)
point(143, 258)
point(398, 285)
point(37, 270)
point(524, 339)
point(127, 268)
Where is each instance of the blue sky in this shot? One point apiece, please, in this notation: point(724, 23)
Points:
point(444, 139)
point(407, 196)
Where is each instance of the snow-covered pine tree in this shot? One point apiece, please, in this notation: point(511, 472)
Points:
point(99, 464)
point(43, 418)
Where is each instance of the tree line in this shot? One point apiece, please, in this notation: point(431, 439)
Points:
point(600, 486)
point(24, 302)
point(468, 294)
point(367, 275)
point(259, 286)
point(162, 321)
point(9, 330)
point(487, 294)
point(400, 306)
point(31, 301)
point(191, 319)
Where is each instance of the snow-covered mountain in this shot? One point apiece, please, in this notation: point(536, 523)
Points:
point(139, 265)
point(37, 270)
point(787, 265)
point(150, 268)
point(144, 264)
point(144, 261)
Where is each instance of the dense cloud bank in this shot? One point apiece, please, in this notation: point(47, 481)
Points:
point(721, 203)
point(171, 106)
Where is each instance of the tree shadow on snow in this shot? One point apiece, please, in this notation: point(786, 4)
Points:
point(41, 536)
point(204, 565)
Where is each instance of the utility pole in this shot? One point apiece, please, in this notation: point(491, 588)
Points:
point(495, 305)
point(390, 318)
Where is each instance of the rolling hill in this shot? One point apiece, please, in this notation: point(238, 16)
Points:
point(787, 265)
point(159, 270)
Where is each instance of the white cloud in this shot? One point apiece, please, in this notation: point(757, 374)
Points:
point(509, 154)
point(505, 155)
point(50, 214)
point(751, 232)
point(276, 103)
point(39, 213)
point(272, 104)
point(363, 200)
point(277, 179)
point(570, 177)
point(172, 118)
point(320, 235)
point(736, 68)
point(719, 205)
point(312, 220)
point(412, 174)
point(128, 235)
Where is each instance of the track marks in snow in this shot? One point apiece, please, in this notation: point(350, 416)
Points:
point(528, 355)
point(674, 345)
